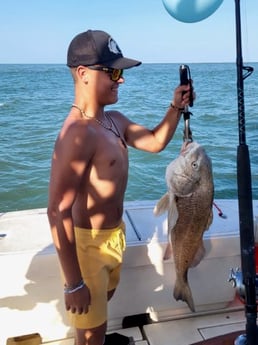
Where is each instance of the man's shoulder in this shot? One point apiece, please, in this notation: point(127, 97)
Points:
point(75, 127)
point(75, 132)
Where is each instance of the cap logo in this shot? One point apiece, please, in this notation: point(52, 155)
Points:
point(113, 46)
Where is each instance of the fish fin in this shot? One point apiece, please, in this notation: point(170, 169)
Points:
point(172, 214)
point(172, 219)
point(168, 252)
point(210, 219)
point(162, 205)
point(183, 292)
point(198, 256)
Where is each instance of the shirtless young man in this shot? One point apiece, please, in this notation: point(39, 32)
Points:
point(89, 176)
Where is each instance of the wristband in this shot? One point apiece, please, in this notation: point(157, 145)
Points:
point(72, 289)
point(175, 107)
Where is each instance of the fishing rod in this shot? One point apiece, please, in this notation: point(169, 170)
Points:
point(245, 200)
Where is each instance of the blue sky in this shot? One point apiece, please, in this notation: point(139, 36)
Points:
point(39, 31)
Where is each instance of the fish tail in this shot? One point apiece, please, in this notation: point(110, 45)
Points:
point(183, 292)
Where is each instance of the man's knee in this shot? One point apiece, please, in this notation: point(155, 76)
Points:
point(93, 336)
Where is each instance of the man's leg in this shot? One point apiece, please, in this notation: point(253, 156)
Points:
point(94, 336)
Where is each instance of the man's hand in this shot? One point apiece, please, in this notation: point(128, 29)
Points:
point(78, 301)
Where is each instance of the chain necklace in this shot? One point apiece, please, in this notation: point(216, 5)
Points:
point(108, 127)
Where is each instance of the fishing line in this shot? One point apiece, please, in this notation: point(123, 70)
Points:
point(246, 31)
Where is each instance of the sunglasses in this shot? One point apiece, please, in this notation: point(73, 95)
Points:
point(115, 74)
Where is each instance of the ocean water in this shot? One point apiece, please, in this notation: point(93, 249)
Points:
point(35, 99)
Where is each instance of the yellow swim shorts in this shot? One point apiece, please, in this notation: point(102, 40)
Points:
point(100, 254)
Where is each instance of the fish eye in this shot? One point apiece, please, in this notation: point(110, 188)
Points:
point(195, 165)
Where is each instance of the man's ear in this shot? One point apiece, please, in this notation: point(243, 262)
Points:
point(82, 74)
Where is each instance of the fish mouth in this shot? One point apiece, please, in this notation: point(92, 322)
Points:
point(187, 146)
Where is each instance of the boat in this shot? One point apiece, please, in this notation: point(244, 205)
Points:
point(143, 307)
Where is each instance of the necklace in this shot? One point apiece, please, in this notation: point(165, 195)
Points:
point(108, 127)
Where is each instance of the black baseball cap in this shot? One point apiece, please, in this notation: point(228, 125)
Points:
point(95, 47)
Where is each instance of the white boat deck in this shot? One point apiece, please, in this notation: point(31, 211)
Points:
point(31, 297)
point(182, 331)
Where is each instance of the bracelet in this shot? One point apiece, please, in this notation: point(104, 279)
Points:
point(175, 107)
point(72, 289)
